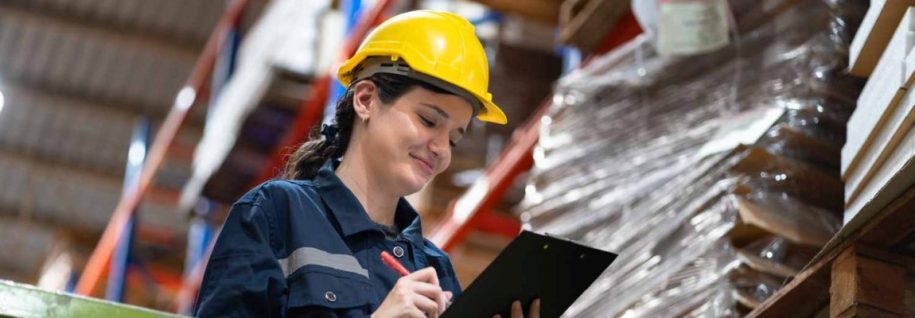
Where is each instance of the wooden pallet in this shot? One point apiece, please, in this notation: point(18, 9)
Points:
point(860, 273)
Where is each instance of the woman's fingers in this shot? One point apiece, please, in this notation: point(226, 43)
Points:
point(416, 295)
point(429, 275)
point(516, 309)
point(433, 292)
point(518, 312)
point(416, 313)
point(434, 281)
point(535, 309)
point(429, 306)
point(424, 275)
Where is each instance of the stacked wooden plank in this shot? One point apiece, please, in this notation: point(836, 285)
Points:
point(877, 160)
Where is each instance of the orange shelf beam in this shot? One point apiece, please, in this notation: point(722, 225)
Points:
point(99, 260)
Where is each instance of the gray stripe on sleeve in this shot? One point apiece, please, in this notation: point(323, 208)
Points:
point(313, 256)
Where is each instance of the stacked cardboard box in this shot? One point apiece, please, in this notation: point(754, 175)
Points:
point(877, 158)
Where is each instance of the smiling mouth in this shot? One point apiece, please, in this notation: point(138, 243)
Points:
point(426, 166)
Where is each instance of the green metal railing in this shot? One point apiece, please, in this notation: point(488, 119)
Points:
point(26, 301)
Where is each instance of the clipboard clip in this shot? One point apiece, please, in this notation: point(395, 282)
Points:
point(550, 235)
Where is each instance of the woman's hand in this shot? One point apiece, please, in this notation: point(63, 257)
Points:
point(417, 295)
point(517, 312)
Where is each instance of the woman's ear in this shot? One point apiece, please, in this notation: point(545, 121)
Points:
point(364, 99)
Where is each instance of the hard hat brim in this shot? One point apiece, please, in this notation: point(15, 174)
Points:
point(490, 112)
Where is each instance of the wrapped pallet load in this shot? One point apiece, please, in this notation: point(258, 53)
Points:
point(715, 176)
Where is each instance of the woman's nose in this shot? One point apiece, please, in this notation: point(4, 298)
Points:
point(439, 144)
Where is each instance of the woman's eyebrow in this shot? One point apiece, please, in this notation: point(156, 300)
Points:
point(437, 109)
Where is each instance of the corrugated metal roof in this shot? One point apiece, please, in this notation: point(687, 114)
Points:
point(95, 63)
point(188, 21)
point(77, 76)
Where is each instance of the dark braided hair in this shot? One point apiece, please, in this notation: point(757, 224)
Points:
point(308, 158)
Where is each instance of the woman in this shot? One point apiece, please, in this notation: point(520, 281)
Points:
point(308, 245)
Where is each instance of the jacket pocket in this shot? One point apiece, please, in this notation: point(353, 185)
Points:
point(320, 289)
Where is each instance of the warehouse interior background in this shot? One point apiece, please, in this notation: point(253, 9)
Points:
point(744, 158)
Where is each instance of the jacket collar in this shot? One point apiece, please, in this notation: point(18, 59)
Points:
point(351, 215)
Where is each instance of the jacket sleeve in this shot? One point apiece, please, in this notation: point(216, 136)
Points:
point(243, 277)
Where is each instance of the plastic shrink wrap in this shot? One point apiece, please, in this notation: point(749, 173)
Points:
point(715, 177)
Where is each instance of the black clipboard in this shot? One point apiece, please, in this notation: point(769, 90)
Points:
point(532, 266)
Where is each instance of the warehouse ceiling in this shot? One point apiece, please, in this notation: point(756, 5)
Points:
point(77, 76)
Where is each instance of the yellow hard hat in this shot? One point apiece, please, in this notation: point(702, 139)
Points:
point(437, 47)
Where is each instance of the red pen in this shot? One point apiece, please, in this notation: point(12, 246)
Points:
point(392, 262)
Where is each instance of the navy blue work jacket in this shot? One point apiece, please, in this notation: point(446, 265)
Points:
point(307, 248)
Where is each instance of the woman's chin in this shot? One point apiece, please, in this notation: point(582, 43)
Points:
point(415, 182)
